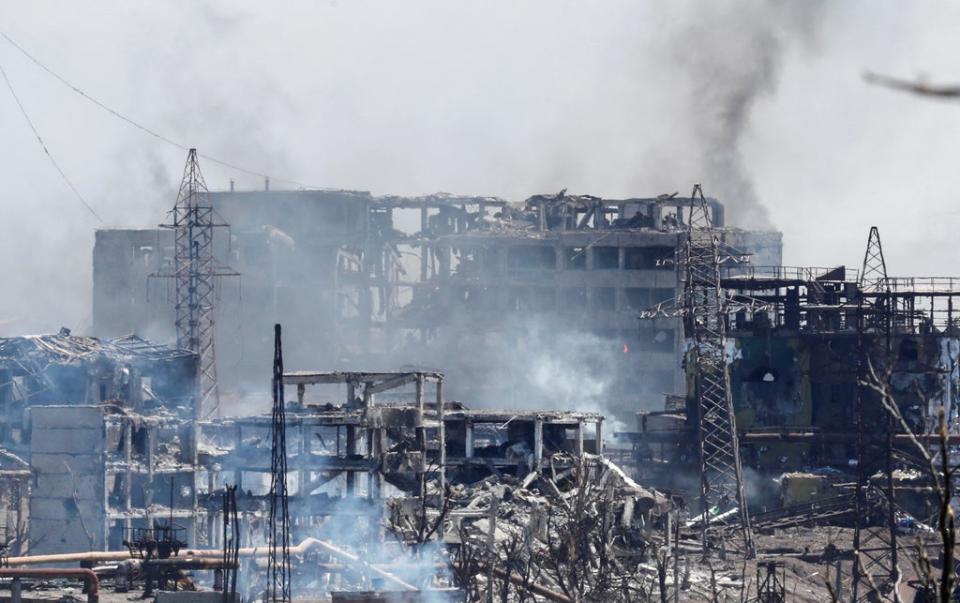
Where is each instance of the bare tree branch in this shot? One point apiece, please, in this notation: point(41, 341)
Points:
point(918, 87)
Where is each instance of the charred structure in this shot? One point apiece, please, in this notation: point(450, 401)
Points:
point(439, 281)
point(442, 402)
point(794, 365)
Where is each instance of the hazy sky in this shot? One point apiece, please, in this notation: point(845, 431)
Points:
point(755, 100)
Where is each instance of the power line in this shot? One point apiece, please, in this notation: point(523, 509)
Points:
point(36, 133)
point(141, 127)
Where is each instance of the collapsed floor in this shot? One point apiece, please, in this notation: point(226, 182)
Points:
point(391, 492)
point(843, 391)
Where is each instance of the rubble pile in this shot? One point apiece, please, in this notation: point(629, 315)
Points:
point(579, 533)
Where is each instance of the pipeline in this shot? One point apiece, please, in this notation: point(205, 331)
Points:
point(89, 578)
point(92, 556)
point(188, 563)
point(307, 545)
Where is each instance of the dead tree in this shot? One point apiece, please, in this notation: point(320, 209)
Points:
point(467, 566)
point(941, 476)
point(579, 556)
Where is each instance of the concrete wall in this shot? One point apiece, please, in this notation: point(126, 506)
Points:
point(281, 280)
point(284, 244)
point(67, 461)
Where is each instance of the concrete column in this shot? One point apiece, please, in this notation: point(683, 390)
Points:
point(127, 474)
point(424, 249)
point(600, 436)
point(148, 493)
point(237, 473)
point(375, 439)
point(303, 448)
point(538, 443)
point(212, 532)
point(580, 439)
point(442, 435)
point(351, 450)
point(443, 261)
point(421, 437)
point(468, 440)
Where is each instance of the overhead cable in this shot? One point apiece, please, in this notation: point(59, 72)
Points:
point(36, 133)
point(139, 126)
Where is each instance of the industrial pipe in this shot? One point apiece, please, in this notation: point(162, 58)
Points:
point(189, 563)
point(816, 437)
point(92, 556)
point(90, 579)
point(308, 544)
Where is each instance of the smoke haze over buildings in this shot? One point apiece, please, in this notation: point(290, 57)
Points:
point(762, 102)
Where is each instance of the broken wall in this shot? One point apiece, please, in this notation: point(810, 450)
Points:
point(67, 504)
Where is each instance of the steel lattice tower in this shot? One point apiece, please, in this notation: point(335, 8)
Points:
point(721, 478)
point(278, 561)
point(195, 272)
point(873, 274)
point(876, 552)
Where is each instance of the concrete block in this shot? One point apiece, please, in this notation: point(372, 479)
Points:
point(54, 536)
point(66, 417)
point(78, 441)
point(65, 509)
point(80, 464)
point(61, 486)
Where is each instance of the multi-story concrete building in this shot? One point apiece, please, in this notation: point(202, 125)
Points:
point(519, 303)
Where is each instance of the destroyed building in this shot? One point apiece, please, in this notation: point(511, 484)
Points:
point(802, 345)
point(438, 281)
point(96, 423)
point(443, 471)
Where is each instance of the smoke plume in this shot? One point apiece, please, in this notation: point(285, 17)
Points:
point(732, 56)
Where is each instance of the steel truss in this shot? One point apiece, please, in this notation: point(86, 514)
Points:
point(721, 486)
point(875, 564)
point(195, 272)
point(279, 571)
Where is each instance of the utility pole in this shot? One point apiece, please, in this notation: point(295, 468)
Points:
point(721, 476)
point(195, 273)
